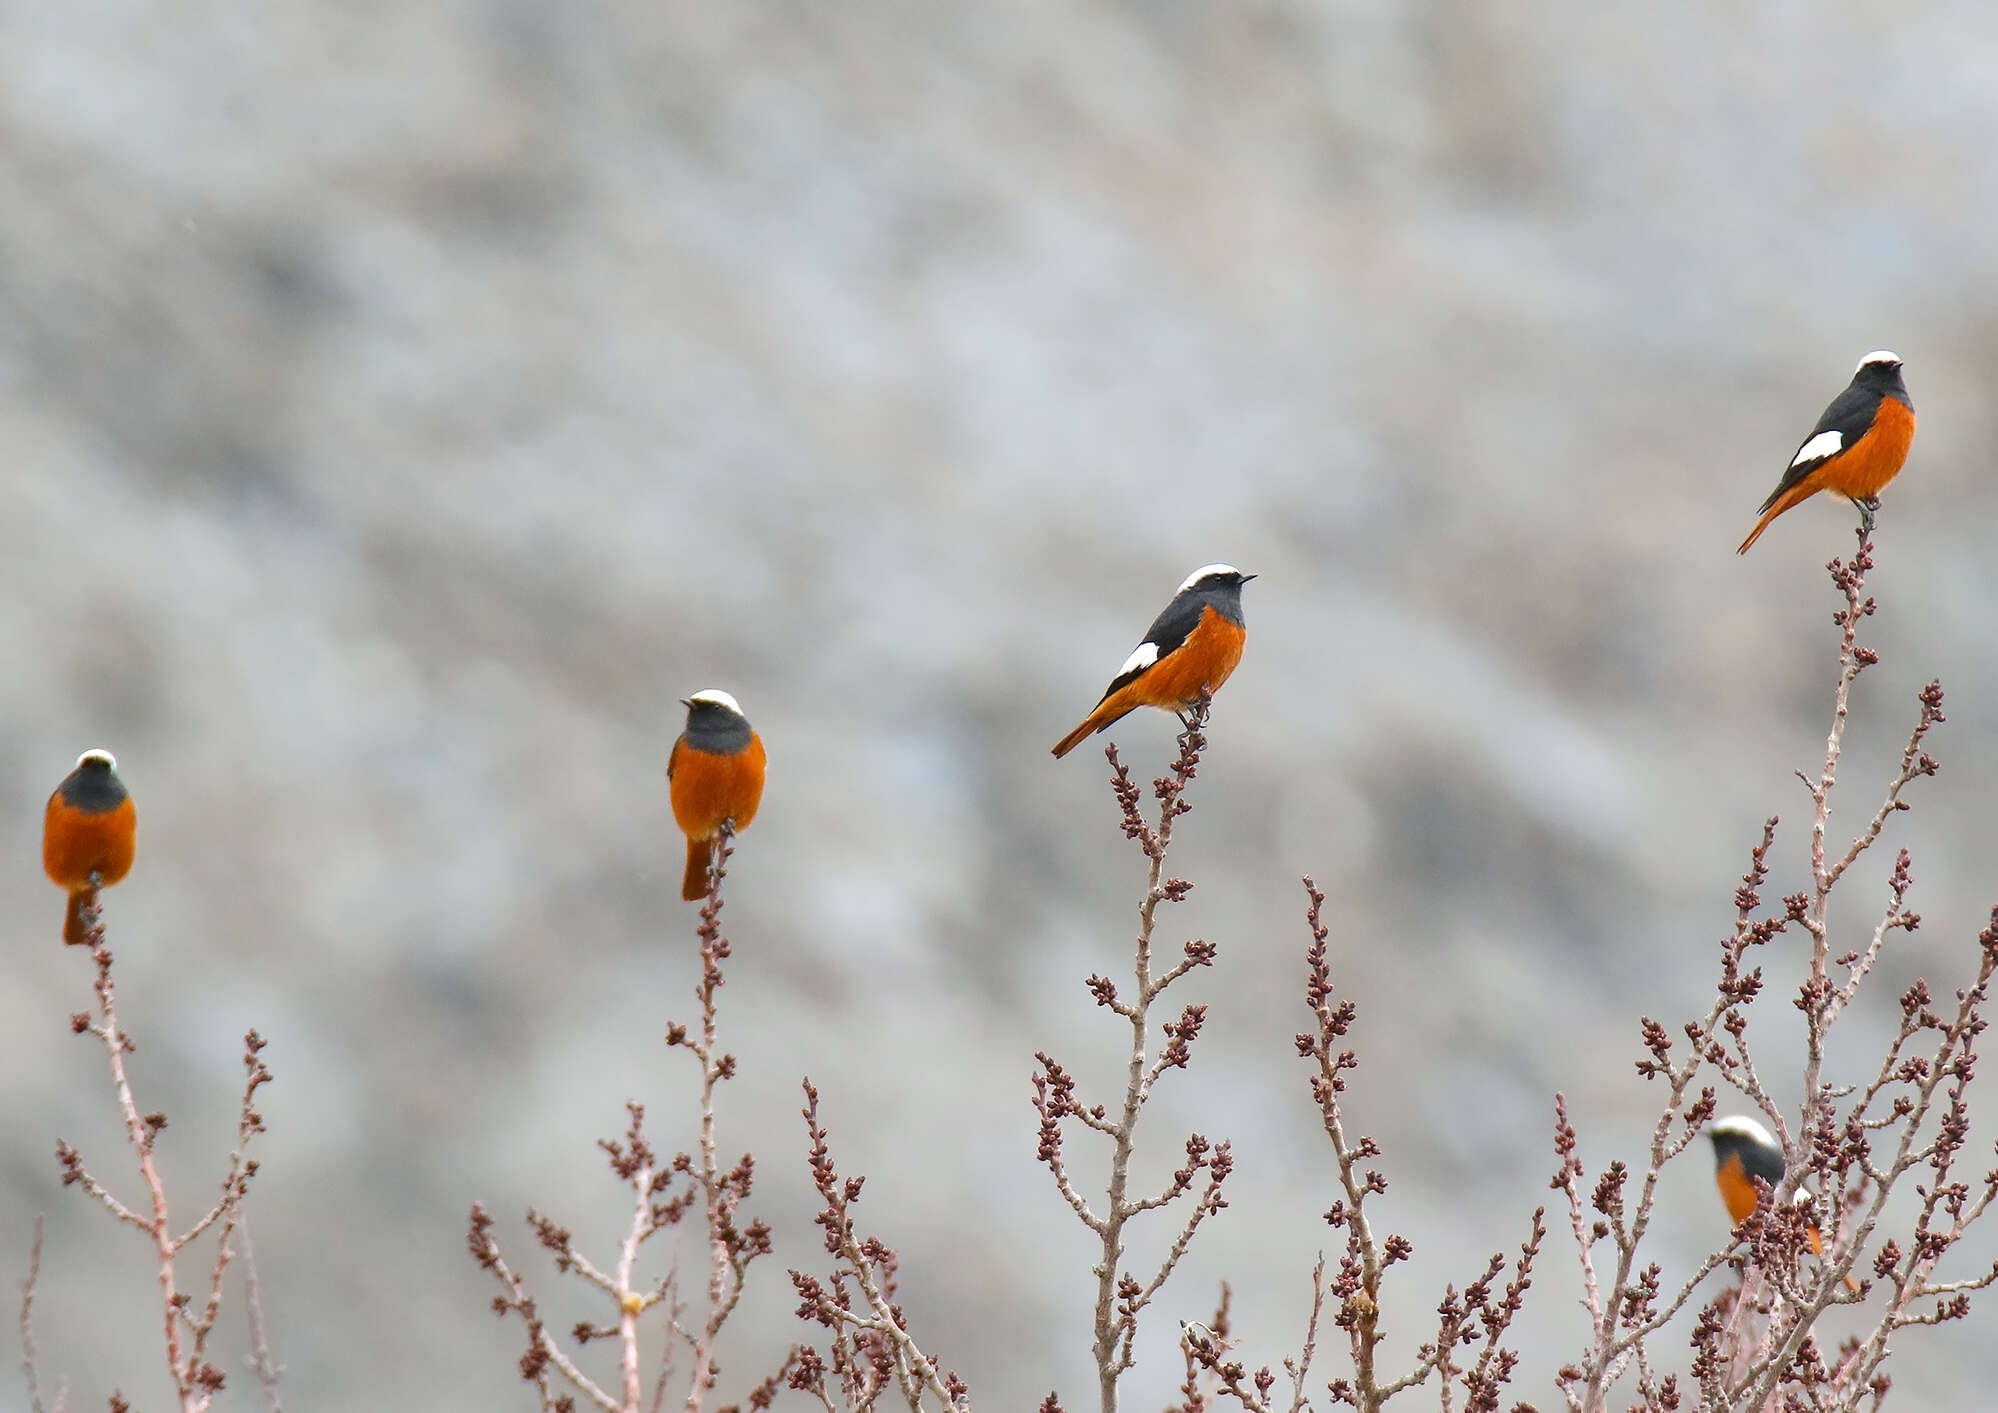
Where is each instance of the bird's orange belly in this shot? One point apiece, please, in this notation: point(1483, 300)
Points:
point(708, 790)
point(1876, 458)
point(1204, 660)
point(76, 844)
point(1737, 1190)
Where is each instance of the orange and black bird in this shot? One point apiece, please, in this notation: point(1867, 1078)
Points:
point(716, 775)
point(1743, 1151)
point(1191, 647)
point(1856, 448)
point(87, 836)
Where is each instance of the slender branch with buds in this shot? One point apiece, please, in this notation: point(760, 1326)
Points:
point(1852, 1146)
point(261, 1361)
point(31, 1349)
point(872, 1352)
point(730, 1248)
point(1120, 1295)
point(187, 1316)
point(662, 1192)
point(1480, 1316)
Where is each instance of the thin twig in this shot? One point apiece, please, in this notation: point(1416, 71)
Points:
point(185, 1331)
point(31, 1350)
point(267, 1369)
point(870, 1266)
point(1120, 1297)
point(661, 1192)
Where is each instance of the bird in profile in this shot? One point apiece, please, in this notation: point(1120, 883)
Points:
point(715, 779)
point(1857, 447)
point(88, 834)
point(1191, 648)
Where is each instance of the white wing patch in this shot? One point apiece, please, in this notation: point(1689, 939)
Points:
point(1824, 444)
point(1143, 656)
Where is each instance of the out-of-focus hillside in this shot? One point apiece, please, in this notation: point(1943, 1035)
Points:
point(401, 406)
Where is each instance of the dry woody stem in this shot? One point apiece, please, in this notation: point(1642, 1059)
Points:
point(1476, 1319)
point(1816, 1236)
point(871, 1354)
point(1155, 1047)
point(661, 1192)
point(187, 1316)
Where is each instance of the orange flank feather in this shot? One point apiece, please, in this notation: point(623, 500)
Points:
point(1858, 473)
point(709, 791)
point(1205, 660)
point(1737, 1189)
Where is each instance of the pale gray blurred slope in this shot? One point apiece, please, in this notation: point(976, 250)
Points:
point(403, 405)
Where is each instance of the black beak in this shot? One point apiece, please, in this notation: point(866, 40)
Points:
point(687, 704)
point(1247, 577)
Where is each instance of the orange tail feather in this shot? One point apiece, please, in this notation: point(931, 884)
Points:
point(73, 931)
point(1818, 1250)
point(1107, 712)
point(1794, 496)
point(700, 856)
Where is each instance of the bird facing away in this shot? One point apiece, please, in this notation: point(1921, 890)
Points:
point(716, 780)
point(1856, 448)
point(1743, 1151)
point(88, 833)
point(1191, 647)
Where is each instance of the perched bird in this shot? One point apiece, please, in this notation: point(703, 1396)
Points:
point(1856, 448)
point(1743, 1151)
point(87, 836)
point(1192, 646)
point(716, 775)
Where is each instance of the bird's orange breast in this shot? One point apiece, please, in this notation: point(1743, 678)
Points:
point(1866, 467)
point(708, 790)
point(77, 843)
point(1737, 1189)
point(1205, 660)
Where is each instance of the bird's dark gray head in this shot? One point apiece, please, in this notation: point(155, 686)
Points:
point(715, 721)
point(94, 784)
point(1880, 369)
point(1221, 577)
point(1760, 1153)
point(1218, 585)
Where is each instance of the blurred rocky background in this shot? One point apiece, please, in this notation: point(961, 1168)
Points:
point(402, 405)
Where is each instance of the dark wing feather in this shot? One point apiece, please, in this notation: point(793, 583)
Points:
point(1850, 414)
point(1168, 631)
point(1761, 1162)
